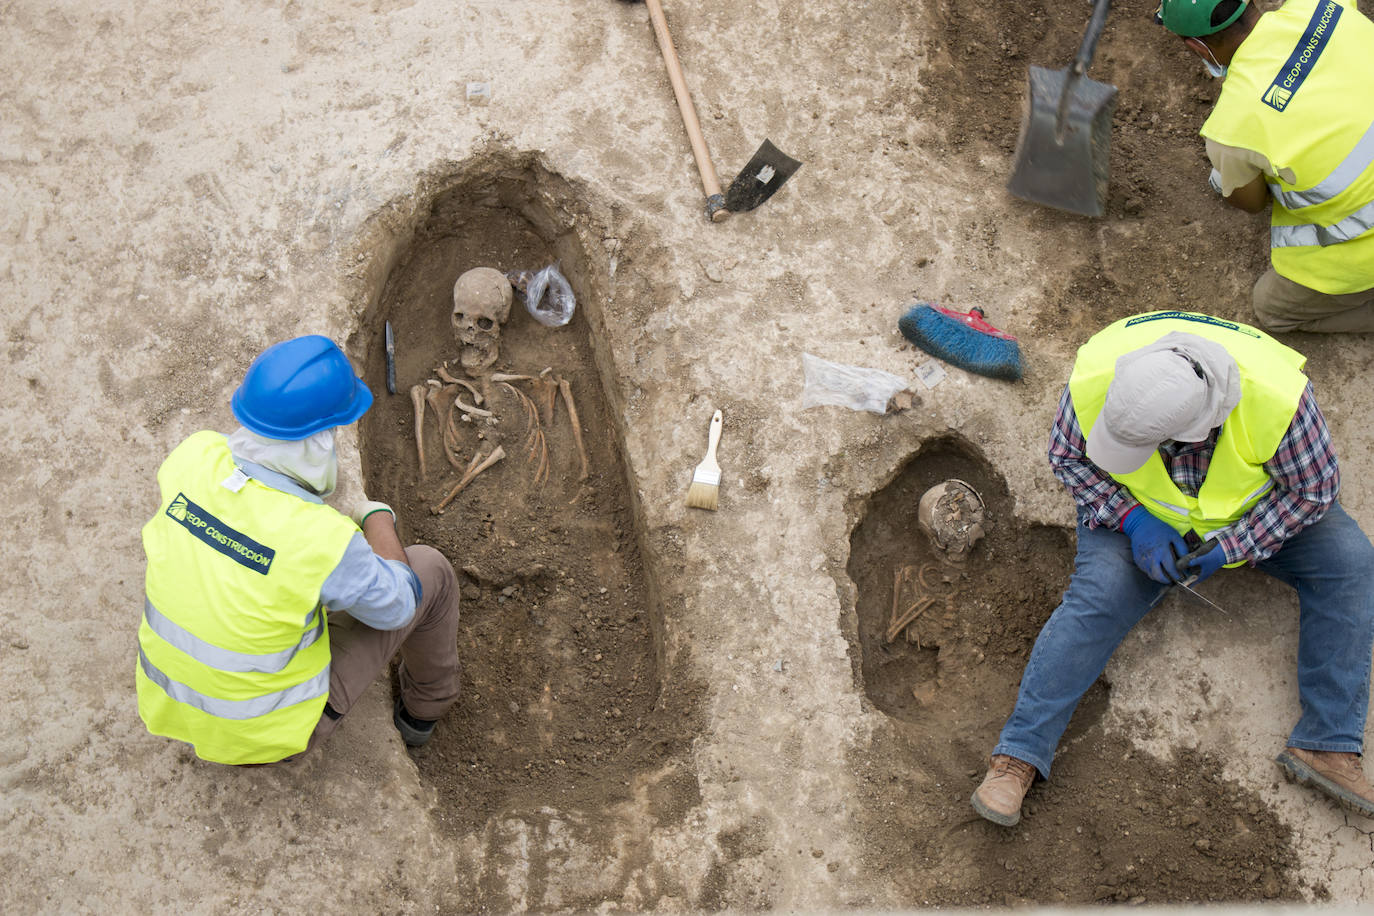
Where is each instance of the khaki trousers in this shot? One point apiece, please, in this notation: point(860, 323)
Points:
point(1282, 305)
point(429, 668)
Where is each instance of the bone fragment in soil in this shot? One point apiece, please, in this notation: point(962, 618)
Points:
point(417, 399)
point(443, 417)
point(566, 388)
point(476, 460)
point(451, 449)
point(437, 394)
point(899, 622)
point(444, 374)
point(496, 455)
point(535, 443)
point(469, 409)
point(546, 390)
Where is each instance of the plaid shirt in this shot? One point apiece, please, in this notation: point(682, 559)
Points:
point(1306, 480)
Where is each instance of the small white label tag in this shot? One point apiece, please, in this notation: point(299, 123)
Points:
point(235, 481)
point(930, 374)
point(766, 174)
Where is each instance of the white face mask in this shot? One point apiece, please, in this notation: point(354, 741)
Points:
point(1214, 69)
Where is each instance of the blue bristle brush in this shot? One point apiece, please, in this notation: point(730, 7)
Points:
point(962, 339)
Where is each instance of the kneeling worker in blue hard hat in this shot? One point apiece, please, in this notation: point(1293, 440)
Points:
point(267, 613)
point(1190, 443)
point(1294, 127)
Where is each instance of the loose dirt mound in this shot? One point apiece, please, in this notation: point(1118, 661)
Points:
point(563, 689)
point(1111, 825)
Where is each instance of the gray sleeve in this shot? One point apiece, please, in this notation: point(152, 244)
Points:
point(380, 593)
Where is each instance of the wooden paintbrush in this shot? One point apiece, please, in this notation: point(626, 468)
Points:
point(705, 490)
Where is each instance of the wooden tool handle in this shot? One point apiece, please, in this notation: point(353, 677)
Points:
point(715, 200)
point(713, 439)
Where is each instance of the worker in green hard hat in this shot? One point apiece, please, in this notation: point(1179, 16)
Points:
point(1294, 129)
point(266, 612)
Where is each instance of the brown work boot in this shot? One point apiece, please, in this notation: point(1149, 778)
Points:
point(1336, 773)
point(999, 797)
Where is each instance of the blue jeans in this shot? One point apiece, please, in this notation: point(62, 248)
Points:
point(1330, 564)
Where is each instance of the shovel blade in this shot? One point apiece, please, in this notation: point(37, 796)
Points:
point(1065, 165)
point(760, 178)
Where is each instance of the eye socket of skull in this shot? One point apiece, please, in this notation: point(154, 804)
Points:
point(485, 323)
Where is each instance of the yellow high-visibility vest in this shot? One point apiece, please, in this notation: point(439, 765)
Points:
point(1300, 90)
point(233, 648)
point(1272, 383)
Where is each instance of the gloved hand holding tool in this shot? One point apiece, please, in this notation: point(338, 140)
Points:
point(1154, 545)
point(1197, 565)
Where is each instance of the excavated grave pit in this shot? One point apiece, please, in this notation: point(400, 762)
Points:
point(566, 704)
point(1112, 824)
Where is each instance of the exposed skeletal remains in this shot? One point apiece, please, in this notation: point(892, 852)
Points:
point(481, 305)
point(901, 620)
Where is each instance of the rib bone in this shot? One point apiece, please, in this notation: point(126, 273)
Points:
point(451, 435)
point(535, 443)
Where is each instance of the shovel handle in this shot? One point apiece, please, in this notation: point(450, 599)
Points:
point(715, 200)
point(1089, 46)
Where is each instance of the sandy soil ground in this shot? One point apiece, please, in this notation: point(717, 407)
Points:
point(665, 708)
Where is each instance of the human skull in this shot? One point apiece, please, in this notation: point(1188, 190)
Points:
point(952, 513)
point(481, 304)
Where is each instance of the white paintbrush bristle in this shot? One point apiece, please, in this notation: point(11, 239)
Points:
point(704, 494)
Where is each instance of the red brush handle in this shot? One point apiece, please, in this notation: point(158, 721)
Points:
point(974, 319)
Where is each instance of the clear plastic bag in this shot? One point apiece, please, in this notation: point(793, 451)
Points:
point(835, 384)
point(548, 297)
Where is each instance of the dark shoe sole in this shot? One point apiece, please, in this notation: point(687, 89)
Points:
point(1295, 769)
point(413, 737)
point(1002, 820)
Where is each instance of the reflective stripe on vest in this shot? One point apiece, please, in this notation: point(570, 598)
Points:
point(1344, 175)
point(1300, 92)
point(236, 710)
point(226, 659)
point(234, 653)
point(1352, 227)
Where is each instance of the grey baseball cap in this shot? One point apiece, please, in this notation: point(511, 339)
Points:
point(1156, 395)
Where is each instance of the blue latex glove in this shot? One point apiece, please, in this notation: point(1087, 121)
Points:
point(1206, 564)
point(1154, 545)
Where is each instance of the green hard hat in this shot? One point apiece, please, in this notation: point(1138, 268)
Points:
point(1193, 18)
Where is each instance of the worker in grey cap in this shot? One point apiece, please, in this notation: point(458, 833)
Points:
point(1190, 443)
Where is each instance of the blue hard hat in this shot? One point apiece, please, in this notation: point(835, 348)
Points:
point(300, 387)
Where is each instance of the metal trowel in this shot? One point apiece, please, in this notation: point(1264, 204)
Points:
point(1062, 153)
